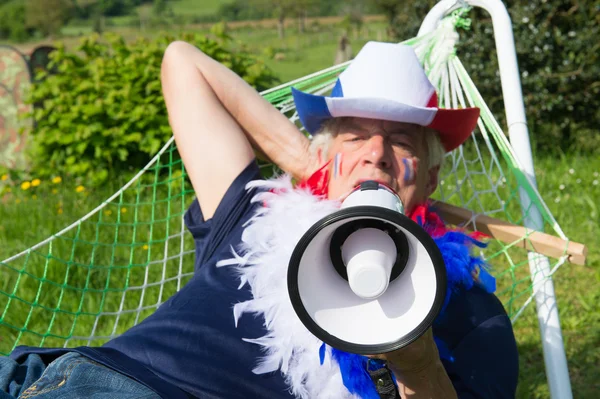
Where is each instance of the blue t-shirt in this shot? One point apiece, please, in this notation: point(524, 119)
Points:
point(190, 346)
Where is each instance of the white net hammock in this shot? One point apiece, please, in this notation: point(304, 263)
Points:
point(109, 270)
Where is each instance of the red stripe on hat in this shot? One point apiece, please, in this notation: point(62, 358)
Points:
point(433, 101)
point(454, 126)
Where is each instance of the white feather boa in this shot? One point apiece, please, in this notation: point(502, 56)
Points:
point(262, 262)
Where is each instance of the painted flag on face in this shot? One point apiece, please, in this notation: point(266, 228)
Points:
point(410, 169)
point(337, 165)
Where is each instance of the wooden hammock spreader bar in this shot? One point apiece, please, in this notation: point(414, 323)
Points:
point(508, 233)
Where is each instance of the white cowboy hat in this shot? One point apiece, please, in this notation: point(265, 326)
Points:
point(386, 81)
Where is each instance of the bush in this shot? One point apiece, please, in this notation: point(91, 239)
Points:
point(12, 15)
point(559, 71)
point(558, 61)
point(103, 114)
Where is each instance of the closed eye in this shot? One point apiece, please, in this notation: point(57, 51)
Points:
point(355, 138)
point(401, 141)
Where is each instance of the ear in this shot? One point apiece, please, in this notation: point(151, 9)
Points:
point(433, 175)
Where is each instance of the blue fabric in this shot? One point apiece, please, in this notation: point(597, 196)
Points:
point(355, 376)
point(480, 337)
point(111, 358)
point(69, 376)
point(456, 249)
point(16, 377)
point(337, 90)
point(312, 110)
point(190, 347)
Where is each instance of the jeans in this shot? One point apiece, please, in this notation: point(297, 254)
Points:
point(69, 376)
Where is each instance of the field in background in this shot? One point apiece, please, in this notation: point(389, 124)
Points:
point(292, 57)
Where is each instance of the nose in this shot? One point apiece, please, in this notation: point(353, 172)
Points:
point(378, 153)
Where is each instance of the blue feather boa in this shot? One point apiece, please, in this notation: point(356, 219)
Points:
point(463, 270)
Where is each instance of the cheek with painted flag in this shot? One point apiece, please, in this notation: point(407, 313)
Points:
point(409, 169)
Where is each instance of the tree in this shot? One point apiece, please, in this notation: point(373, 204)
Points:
point(12, 15)
point(558, 52)
point(559, 61)
point(47, 16)
point(301, 10)
point(281, 9)
point(353, 12)
point(145, 16)
point(402, 16)
point(160, 7)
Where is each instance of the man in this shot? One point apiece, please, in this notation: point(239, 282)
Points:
point(199, 343)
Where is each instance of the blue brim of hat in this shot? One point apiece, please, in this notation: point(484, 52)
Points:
point(312, 110)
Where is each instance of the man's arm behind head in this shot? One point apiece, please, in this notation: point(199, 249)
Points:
point(215, 116)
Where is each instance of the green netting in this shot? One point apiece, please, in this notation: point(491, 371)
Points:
point(115, 266)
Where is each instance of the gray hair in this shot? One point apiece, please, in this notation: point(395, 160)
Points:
point(322, 140)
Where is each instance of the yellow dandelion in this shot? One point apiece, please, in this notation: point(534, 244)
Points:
point(123, 210)
point(56, 180)
point(60, 211)
point(80, 189)
point(35, 182)
point(108, 212)
point(145, 246)
point(4, 177)
point(54, 191)
point(25, 185)
point(34, 196)
point(8, 189)
point(18, 201)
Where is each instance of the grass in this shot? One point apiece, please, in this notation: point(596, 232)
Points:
point(56, 292)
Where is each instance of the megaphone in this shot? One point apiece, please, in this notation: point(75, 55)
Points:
point(367, 279)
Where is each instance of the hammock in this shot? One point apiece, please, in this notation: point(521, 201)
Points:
point(112, 268)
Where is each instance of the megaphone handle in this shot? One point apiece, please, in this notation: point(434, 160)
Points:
point(383, 380)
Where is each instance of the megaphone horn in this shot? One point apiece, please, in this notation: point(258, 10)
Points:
point(367, 279)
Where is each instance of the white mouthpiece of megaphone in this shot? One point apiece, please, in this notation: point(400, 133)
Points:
point(369, 253)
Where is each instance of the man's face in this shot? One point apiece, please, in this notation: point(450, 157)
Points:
point(393, 153)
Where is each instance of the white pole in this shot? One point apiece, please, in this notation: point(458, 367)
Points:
point(557, 372)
